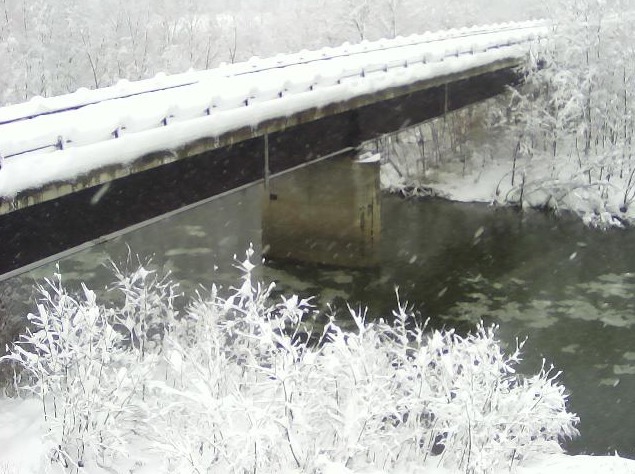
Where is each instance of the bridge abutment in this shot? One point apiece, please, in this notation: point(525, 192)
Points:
point(327, 213)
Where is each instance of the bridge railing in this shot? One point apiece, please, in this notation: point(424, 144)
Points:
point(123, 89)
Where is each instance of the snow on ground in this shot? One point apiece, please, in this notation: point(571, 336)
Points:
point(21, 431)
point(539, 181)
point(23, 451)
point(24, 446)
point(450, 181)
point(563, 464)
point(554, 464)
point(479, 185)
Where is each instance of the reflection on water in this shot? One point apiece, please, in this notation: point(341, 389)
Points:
point(569, 289)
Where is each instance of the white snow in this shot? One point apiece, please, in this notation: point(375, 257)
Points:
point(369, 158)
point(221, 100)
point(557, 188)
point(23, 451)
point(124, 88)
point(477, 186)
point(21, 435)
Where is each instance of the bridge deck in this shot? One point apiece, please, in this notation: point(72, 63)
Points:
point(85, 139)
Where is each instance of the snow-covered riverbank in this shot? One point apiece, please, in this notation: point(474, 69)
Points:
point(24, 451)
point(486, 171)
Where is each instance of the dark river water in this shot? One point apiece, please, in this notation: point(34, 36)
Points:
point(569, 289)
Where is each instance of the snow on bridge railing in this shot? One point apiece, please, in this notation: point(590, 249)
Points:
point(121, 129)
point(124, 88)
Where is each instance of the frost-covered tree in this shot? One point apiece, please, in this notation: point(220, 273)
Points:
point(576, 111)
point(391, 19)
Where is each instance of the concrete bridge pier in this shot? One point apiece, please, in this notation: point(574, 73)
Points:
point(325, 213)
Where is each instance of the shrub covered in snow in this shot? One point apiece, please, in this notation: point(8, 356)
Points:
point(88, 363)
point(241, 384)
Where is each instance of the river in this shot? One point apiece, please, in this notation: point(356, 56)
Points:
point(570, 290)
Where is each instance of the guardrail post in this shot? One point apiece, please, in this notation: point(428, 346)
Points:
point(445, 100)
point(267, 169)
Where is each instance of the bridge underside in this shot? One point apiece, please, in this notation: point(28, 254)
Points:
point(41, 230)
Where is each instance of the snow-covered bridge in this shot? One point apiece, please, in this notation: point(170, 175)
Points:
point(174, 140)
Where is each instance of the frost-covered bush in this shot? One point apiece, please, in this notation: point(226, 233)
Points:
point(253, 390)
point(148, 308)
point(85, 361)
point(241, 384)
